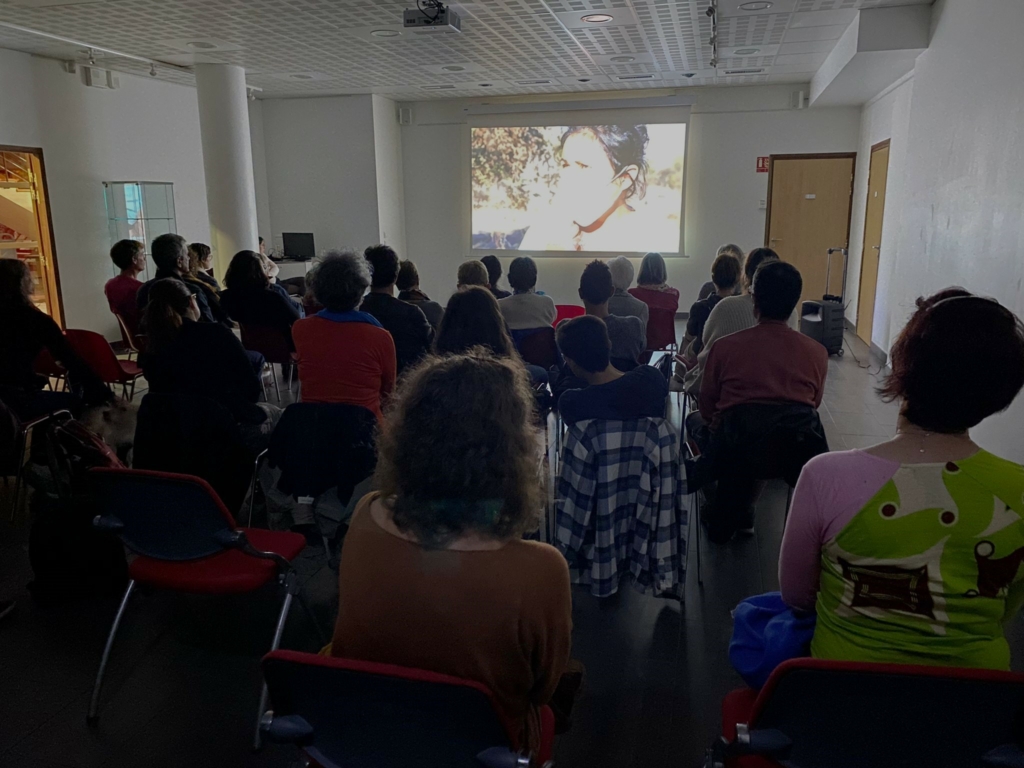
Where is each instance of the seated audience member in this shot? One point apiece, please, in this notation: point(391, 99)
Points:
point(200, 264)
point(293, 288)
point(407, 324)
point(212, 295)
point(186, 357)
point(622, 303)
point(170, 254)
point(725, 274)
point(250, 300)
point(730, 315)
point(610, 393)
point(130, 257)
point(769, 364)
point(909, 551)
point(526, 309)
point(435, 573)
point(345, 356)
point(494, 275)
point(709, 287)
point(652, 284)
point(627, 334)
point(472, 272)
point(28, 331)
point(408, 285)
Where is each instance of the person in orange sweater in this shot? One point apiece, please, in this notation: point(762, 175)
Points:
point(345, 356)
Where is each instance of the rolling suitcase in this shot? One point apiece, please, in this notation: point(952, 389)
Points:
point(823, 320)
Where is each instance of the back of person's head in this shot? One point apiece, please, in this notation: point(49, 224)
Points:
point(725, 271)
point(408, 276)
point(245, 272)
point(754, 260)
point(776, 289)
point(168, 304)
point(493, 269)
point(959, 360)
point(383, 264)
point(198, 253)
point(473, 272)
point(596, 283)
point(584, 340)
point(473, 319)
point(522, 274)
point(15, 283)
point(123, 253)
point(653, 270)
point(457, 453)
point(622, 272)
point(167, 250)
point(340, 280)
point(732, 249)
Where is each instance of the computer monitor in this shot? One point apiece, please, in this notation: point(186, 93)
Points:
point(299, 246)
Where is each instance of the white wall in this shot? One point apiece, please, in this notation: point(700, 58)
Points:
point(885, 117)
point(259, 170)
point(145, 131)
point(729, 129)
point(387, 142)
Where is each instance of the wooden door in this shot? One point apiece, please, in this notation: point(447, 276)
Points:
point(809, 199)
point(872, 240)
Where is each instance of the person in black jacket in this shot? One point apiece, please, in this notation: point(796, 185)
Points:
point(407, 324)
point(249, 299)
point(184, 356)
point(170, 254)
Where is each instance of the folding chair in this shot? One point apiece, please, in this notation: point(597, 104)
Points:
point(275, 346)
point(96, 352)
point(661, 332)
point(186, 540)
point(815, 713)
point(342, 712)
point(22, 450)
point(45, 365)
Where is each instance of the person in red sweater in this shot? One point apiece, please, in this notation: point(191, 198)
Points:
point(130, 257)
point(345, 356)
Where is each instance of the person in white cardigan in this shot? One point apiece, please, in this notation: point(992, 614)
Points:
point(526, 309)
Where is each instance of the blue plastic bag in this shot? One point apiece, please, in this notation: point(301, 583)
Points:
point(765, 633)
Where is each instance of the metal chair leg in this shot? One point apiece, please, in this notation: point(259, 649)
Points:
point(293, 588)
point(263, 384)
point(324, 639)
point(93, 716)
point(277, 389)
point(695, 507)
point(291, 372)
point(19, 474)
point(252, 483)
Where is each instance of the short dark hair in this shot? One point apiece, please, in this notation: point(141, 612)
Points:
point(339, 280)
point(260, 237)
point(754, 260)
point(246, 272)
point(123, 253)
point(584, 340)
point(473, 319)
point(15, 283)
point(167, 249)
point(777, 287)
point(625, 145)
point(408, 276)
point(522, 273)
point(652, 270)
point(725, 271)
point(384, 264)
point(493, 269)
point(959, 360)
point(596, 283)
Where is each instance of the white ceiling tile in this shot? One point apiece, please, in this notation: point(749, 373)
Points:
point(822, 18)
point(802, 34)
point(810, 61)
point(808, 46)
point(733, 7)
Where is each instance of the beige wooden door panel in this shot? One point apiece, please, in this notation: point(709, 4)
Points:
point(873, 219)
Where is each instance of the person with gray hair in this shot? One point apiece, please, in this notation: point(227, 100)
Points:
point(621, 304)
point(709, 288)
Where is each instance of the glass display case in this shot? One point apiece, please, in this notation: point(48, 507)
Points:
point(139, 210)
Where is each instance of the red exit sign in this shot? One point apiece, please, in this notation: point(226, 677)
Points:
point(762, 164)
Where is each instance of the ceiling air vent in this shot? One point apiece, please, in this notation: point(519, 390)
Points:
point(533, 82)
point(635, 77)
point(749, 71)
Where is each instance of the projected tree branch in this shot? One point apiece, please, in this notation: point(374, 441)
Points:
point(512, 163)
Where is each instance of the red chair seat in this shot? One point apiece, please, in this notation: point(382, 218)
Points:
point(228, 572)
point(130, 368)
point(737, 707)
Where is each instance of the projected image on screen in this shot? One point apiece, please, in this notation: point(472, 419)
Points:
point(578, 188)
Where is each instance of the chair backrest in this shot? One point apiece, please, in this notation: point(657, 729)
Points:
point(96, 352)
point(567, 312)
point(164, 516)
point(661, 329)
point(846, 714)
point(537, 346)
point(127, 334)
point(381, 715)
point(45, 365)
point(272, 343)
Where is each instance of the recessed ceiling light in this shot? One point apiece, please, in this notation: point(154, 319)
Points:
point(533, 82)
point(486, 85)
point(756, 6)
point(582, 79)
point(623, 59)
point(596, 18)
point(385, 33)
point(200, 45)
point(745, 51)
point(453, 68)
point(300, 77)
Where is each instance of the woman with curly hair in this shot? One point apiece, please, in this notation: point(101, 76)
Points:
point(434, 573)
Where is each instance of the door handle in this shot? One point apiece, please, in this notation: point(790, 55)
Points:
point(775, 240)
point(877, 247)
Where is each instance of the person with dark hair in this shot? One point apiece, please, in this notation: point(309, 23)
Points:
point(129, 256)
point(170, 254)
point(406, 323)
point(628, 335)
point(725, 274)
point(652, 286)
point(200, 265)
point(472, 272)
point(345, 355)
point(526, 309)
point(250, 300)
point(622, 303)
point(494, 275)
point(26, 332)
point(187, 357)
point(909, 551)
point(408, 285)
point(435, 573)
point(729, 249)
point(473, 319)
point(610, 393)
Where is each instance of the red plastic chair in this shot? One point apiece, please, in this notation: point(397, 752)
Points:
point(538, 347)
point(346, 712)
point(45, 365)
point(275, 346)
point(128, 336)
point(661, 330)
point(832, 714)
point(186, 540)
point(96, 352)
point(567, 312)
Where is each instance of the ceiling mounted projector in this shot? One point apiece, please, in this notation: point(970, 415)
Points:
point(432, 17)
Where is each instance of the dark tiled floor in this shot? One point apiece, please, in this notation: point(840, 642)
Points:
point(183, 682)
